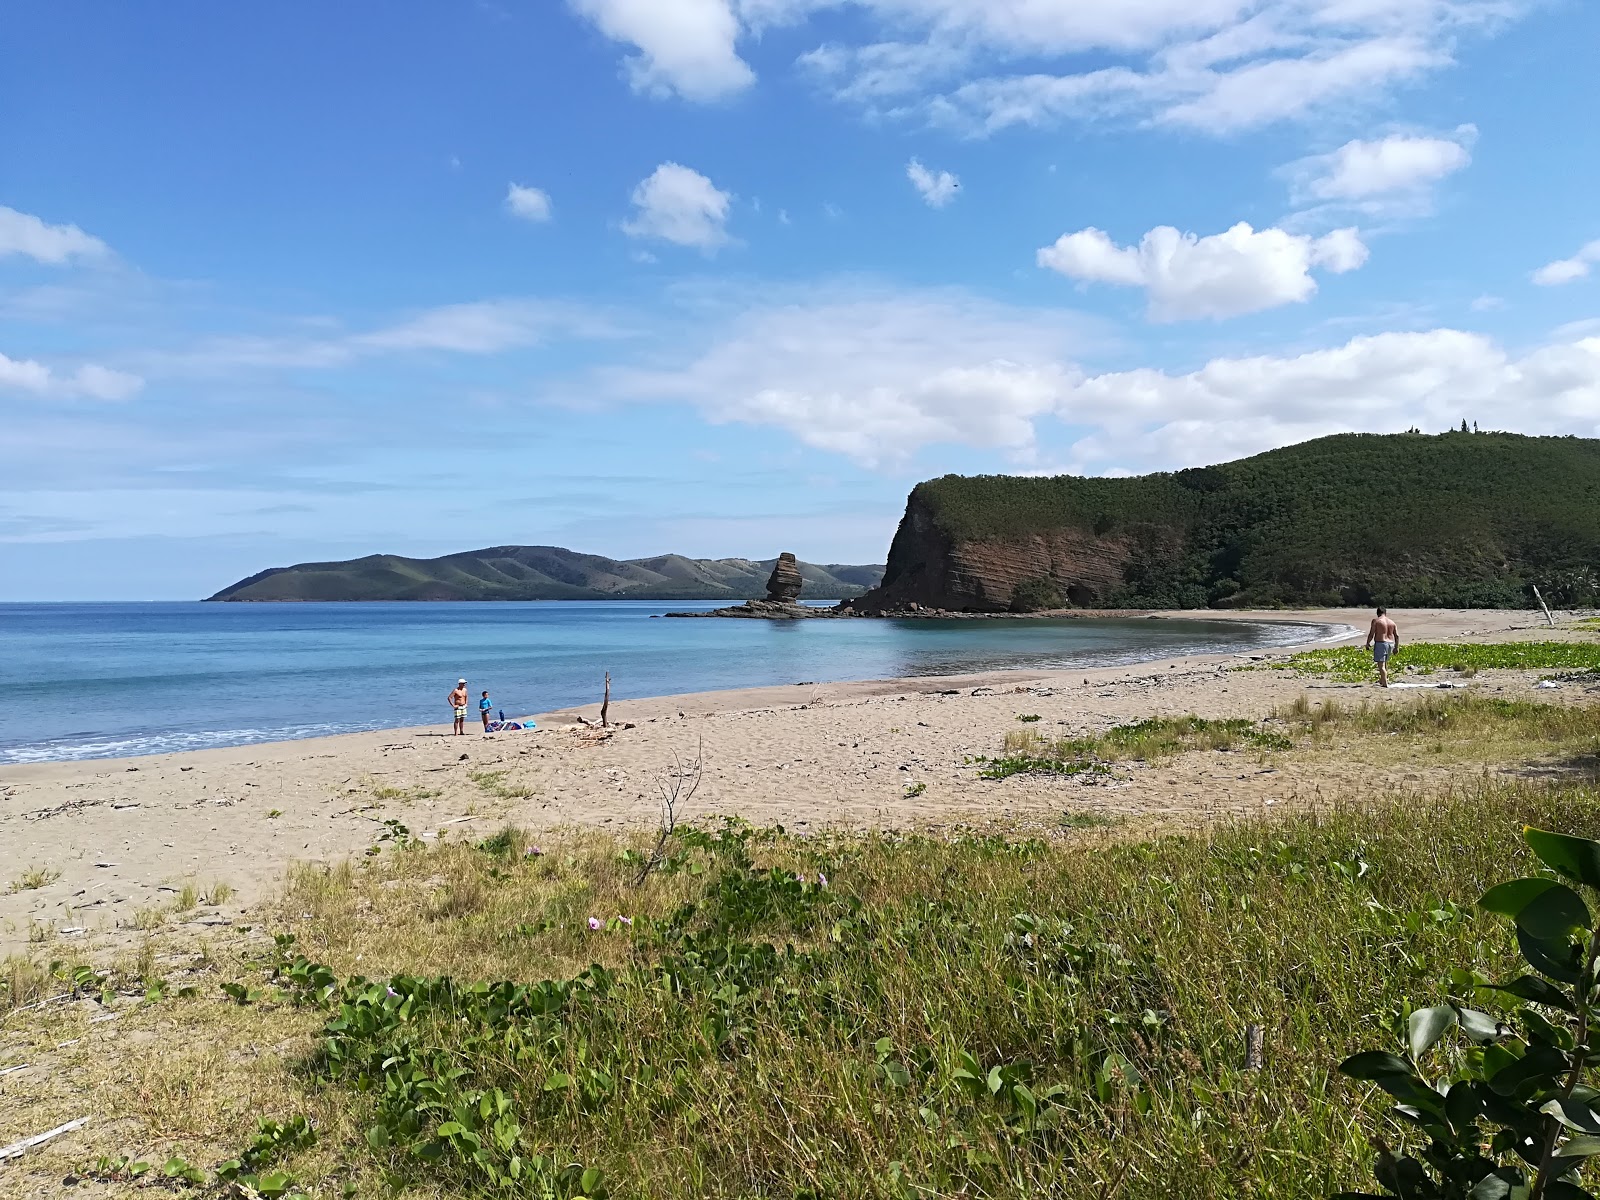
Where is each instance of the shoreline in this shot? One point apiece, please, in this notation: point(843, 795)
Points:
point(120, 839)
point(722, 698)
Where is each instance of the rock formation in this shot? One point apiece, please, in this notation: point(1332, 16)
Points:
point(784, 584)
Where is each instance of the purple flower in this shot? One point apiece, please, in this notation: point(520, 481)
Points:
point(626, 920)
point(533, 852)
point(390, 990)
point(822, 880)
point(594, 924)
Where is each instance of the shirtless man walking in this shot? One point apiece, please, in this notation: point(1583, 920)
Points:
point(1383, 639)
point(458, 701)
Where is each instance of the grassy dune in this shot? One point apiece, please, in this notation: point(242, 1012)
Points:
point(941, 1017)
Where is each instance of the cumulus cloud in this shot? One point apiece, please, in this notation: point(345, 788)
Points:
point(89, 381)
point(25, 234)
point(936, 189)
point(877, 375)
point(1214, 65)
point(679, 205)
point(1241, 270)
point(1566, 270)
point(1384, 383)
point(1389, 176)
point(529, 203)
point(684, 47)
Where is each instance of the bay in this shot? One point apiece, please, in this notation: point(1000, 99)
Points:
point(105, 680)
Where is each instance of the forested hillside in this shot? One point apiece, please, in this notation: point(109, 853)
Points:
point(1458, 519)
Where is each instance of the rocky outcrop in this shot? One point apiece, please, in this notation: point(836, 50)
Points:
point(784, 584)
point(929, 569)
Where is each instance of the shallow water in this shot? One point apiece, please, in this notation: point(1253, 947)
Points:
point(103, 680)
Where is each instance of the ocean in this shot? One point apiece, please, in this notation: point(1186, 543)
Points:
point(105, 680)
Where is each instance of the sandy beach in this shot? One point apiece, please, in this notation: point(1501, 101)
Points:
point(126, 836)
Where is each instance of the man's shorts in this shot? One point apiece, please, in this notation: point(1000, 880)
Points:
point(461, 711)
point(1381, 651)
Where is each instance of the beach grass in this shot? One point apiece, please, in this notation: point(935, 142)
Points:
point(875, 1015)
point(959, 1016)
point(1353, 664)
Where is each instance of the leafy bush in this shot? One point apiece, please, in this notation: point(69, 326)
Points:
point(1036, 594)
point(1510, 1112)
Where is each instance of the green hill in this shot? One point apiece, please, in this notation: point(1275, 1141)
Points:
point(540, 573)
point(1458, 520)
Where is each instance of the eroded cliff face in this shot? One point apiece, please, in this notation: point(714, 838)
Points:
point(929, 568)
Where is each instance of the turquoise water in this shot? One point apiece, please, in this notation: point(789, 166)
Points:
point(103, 680)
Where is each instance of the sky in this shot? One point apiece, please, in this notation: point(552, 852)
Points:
point(299, 281)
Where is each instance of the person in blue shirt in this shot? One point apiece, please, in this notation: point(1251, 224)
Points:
point(484, 707)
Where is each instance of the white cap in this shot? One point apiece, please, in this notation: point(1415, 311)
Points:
point(461, 681)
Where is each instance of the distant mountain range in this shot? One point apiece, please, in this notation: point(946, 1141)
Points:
point(541, 573)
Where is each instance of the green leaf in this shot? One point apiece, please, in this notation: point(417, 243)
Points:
point(1559, 960)
point(1480, 1028)
point(1540, 1064)
point(1427, 1026)
point(1574, 1114)
point(1578, 1147)
point(1375, 1065)
point(1536, 991)
point(1509, 899)
point(1554, 913)
point(1576, 858)
point(451, 1128)
point(557, 1081)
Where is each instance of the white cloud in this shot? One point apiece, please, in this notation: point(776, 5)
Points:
point(480, 327)
point(529, 203)
point(1394, 175)
point(1487, 303)
point(877, 375)
point(1212, 65)
point(23, 233)
point(679, 205)
point(1385, 383)
point(1566, 270)
point(937, 189)
point(1241, 270)
point(89, 381)
point(872, 374)
point(684, 46)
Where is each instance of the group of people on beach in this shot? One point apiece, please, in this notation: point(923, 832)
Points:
point(458, 702)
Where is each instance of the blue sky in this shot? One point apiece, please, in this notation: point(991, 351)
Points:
point(725, 277)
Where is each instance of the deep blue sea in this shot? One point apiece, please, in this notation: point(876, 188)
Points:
point(104, 680)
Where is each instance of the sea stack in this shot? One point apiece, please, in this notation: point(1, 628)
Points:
point(784, 584)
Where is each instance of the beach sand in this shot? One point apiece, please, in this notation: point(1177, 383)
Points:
point(127, 835)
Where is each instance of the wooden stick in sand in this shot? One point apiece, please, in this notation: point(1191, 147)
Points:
point(1548, 618)
point(605, 705)
point(18, 1149)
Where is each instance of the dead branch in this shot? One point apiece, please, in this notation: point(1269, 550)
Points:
point(605, 705)
point(673, 794)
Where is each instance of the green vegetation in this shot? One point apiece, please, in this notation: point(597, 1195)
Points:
point(1353, 664)
point(1511, 1114)
point(34, 878)
point(1028, 752)
point(540, 573)
point(1036, 595)
point(876, 1016)
point(1455, 520)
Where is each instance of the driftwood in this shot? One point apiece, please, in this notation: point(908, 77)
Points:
point(1551, 620)
point(18, 1149)
point(605, 705)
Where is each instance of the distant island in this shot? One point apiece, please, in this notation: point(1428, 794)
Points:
point(1458, 520)
point(540, 573)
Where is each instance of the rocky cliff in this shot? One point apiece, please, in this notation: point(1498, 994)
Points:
point(1456, 520)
